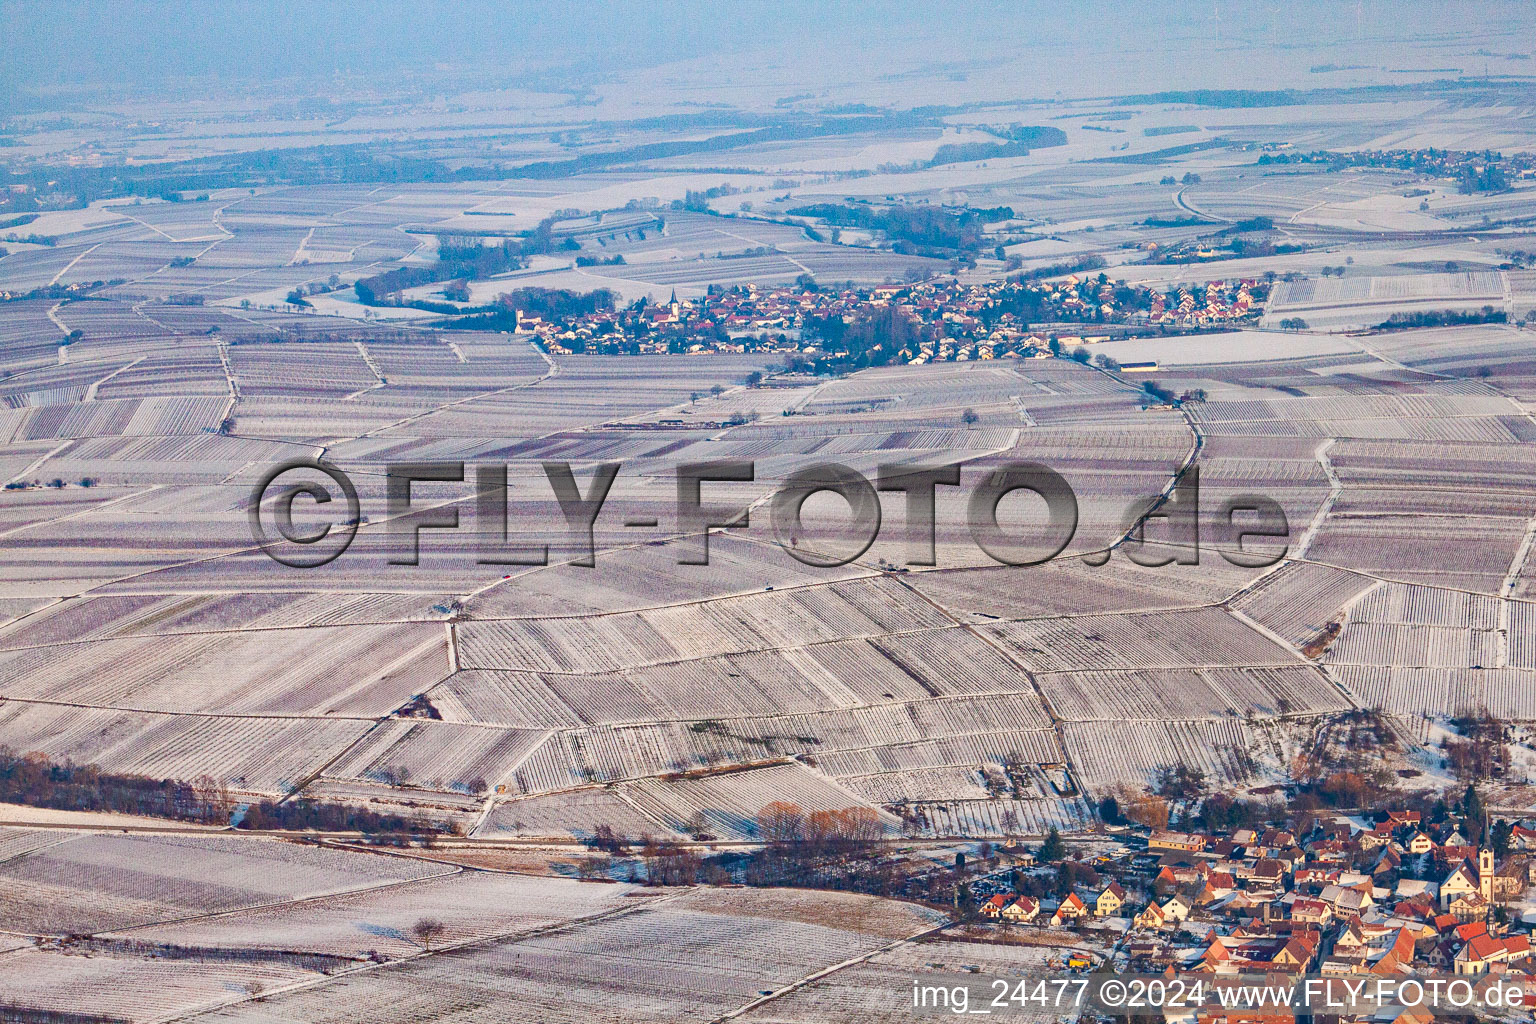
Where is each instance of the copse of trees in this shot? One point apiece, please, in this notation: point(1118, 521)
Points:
point(1483, 754)
point(827, 848)
point(462, 257)
point(1155, 392)
point(1092, 261)
point(545, 303)
point(912, 227)
point(966, 152)
point(877, 338)
point(786, 826)
point(555, 303)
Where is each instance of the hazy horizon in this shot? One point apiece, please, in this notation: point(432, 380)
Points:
point(341, 48)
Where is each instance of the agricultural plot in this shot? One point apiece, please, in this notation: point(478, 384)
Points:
point(1522, 286)
point(1235, 347)
point(576, 814)
point(1469, 553)
point(318, 370)
point(1211, 693)
point(997, 817)
point(28, 338)
point(727, 805)
point(120, 615)
point(1433, 413)
point(1421, 693)
point(1422, 627)
point(18, 842)
point(119, 417)
point(472, 905)
point(1068, 586)
point(796, 618)
point(1343, 200)
point(918, 784)
point(105, 882)
point(890, 737)
point(291, 673)
point(1299, 600)
point(193, 370)
point(319, 420)
point(912, 666)
point(1130, 753)
point(1205, 637)
point(1355, 302)
point(435, 755)
point(669, 960)
point(183, 461)
point(132, 988)
point(588, 391)
point(36, 268)
point(254, 755)
point(879, 990)
point(19, 511)
point(651, 575)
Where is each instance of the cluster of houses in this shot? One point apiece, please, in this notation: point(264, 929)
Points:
point(946, 320)
point(1395, 897)
point(1020, 909)
point(1219, 303)
point(52, 291)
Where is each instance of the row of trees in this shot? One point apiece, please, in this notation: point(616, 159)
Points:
point(36, 781)
point(327, 816)
point(1441, 318)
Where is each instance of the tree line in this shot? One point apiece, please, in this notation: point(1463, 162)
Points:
point(1442, 318)
point(36, 781)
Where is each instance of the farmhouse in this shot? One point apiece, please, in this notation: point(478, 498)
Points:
point(1161, 839)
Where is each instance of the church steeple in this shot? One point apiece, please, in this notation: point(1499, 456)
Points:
point(1486, 867)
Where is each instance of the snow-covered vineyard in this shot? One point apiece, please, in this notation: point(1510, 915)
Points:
point(684, 748)
point(649, 695)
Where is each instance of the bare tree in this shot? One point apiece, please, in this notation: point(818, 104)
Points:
point(427, 929)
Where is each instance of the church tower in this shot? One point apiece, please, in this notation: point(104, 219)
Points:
point(1485, 865)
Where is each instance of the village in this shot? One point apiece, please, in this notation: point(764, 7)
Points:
point(936, 321)
point(1392, 894)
